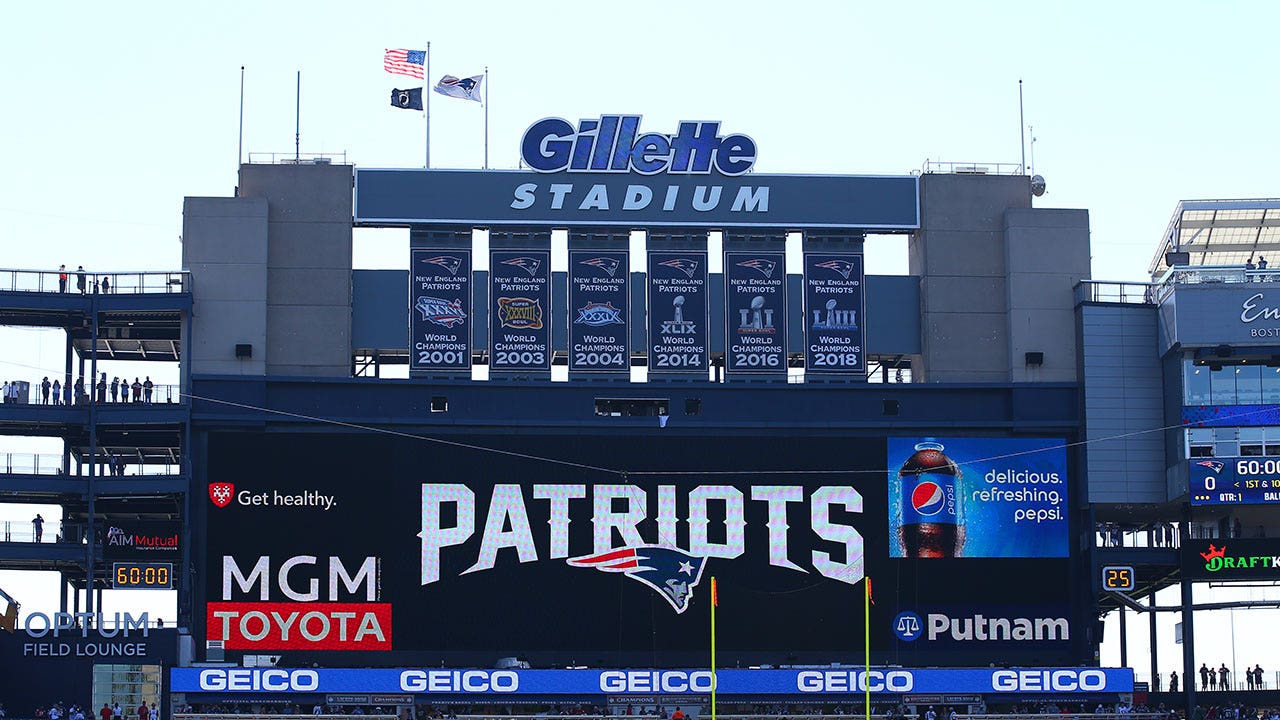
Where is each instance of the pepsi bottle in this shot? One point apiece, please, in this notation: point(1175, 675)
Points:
point(932, 522)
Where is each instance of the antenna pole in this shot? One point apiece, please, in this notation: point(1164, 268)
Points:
point(297, 122)
point(1022, 141)
point(486, 117)
point(426, 90)
point(1033, 148)
point(240, 145)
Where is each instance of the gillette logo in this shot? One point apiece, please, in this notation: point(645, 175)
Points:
point(613, 144)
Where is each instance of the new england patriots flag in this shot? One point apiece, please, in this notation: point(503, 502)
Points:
point(467, 88)
point(671, 572)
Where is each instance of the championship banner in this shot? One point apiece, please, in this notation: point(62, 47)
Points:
point(678, 341)
point(499, 683)
point(755, 306)
point(599, 339)
point(440, 310)
point(519, 311)
point(834, 314)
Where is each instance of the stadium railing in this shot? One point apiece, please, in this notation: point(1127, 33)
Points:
point(134, 282)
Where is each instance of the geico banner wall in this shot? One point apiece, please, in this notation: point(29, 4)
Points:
point(443, 681)
point(381, 543)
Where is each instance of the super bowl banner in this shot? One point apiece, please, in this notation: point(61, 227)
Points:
point(599, 339)
point(678, 339)
point(440, 310)
point(519, 311)
point(755, 306)
point(834, 314)
point(499, 683)
point(978, 497)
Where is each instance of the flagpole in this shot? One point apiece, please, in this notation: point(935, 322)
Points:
point(426, 90)
point(714, 601)
point(297, 123)
point(486, 143)
point(866, 638)
point(240, 145)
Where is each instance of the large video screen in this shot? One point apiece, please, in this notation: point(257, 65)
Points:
point(538, 546)
point(978, 497)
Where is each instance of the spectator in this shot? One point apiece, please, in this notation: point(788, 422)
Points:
point(1223, 674)
point(137, 390)
point(148, 386)
point(1204, 676)
point(1262, 263)
point(44, 391)
point(143, 713)
point(66, 393)
point(4, 393)
point(81, 397)
point(115, 711)
point(1257, 677)
point(37, 525)
point(83, 288)
point(102, 389)
point(106, 284)
point(57, 392)
point(115, 389)
point(105, 712)
point(1173, 681)
point(62, 278)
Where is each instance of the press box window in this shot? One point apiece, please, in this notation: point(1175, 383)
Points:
point(632, 407)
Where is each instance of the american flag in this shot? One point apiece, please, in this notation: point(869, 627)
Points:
point(405, 62)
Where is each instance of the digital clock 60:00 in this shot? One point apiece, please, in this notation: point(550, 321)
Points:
point(142, 576)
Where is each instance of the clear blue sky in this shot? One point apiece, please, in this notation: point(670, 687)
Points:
point(114, 112)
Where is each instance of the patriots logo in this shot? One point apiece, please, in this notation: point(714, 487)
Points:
point(1213, 465)
point(527, 263)
point(764, 266)
point(221, 493)
point(441, 312)
point(844, 267)
point(466, 83)
point(672, 572)
point(448, 262)
point(684, 265)
point(607, 264)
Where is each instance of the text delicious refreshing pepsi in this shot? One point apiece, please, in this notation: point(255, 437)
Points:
point(932, 518)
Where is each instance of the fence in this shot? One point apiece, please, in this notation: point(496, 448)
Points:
point(48, 464)
point(32, 393)
point(136, 282)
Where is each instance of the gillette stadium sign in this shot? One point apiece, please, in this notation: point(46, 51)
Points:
point(606, 171)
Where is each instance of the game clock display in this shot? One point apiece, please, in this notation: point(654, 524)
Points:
point(142, 576)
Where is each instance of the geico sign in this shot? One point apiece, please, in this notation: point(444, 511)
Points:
point(1048, 680)
point(459, 681)
point(673, 681)
point(258, 679)
point(836, 681)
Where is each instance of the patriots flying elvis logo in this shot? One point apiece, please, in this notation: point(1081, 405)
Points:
point(684, 265)
point(671, 572)
point(1213, 465)
point(448, 262)
point(764, 266)
point(844, 267)
point(527, 263)
point(607, 264)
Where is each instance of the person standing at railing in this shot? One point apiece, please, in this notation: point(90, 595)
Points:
point(148, 387)
point(102, 388)
point(1262, 262)
point(106, 284)
point(44, 391)
point(81, 397)
point(1173, 681)
point(81, 283)
point(37, 525)
point(57, 392)
point(137, 390)
point(1223, 674)
point(62, 278)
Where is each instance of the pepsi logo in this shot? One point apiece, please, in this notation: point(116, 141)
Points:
point(928, 498)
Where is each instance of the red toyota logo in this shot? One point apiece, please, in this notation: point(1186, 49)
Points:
point(221, 493)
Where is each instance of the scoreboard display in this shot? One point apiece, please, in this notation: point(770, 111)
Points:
point(1235, 481)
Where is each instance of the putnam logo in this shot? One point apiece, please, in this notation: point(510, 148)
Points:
point(520, 313)
point(928, 498)
point(221, 493)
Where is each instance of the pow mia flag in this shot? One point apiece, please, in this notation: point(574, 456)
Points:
point(408, 99)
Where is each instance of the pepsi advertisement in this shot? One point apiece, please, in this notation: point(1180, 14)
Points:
point(834, 310)
point(604, 556)
point(978, 498)
point(755, 306)
point(440, 310)
point(598, 300)
point(520, 311)
point(678, 340)
point(1251, 480)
